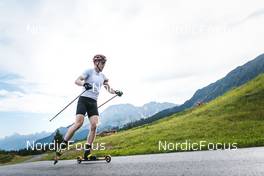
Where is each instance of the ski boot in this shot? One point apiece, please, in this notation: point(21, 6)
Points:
point(87, 153)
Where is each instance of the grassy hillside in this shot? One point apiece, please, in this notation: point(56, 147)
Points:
point(235, 117)
point(12, 158)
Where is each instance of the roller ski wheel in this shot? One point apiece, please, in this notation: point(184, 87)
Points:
point(108, 158)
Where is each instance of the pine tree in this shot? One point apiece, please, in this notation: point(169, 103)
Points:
point(58, 138)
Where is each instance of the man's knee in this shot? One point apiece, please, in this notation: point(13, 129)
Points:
point(79, 121)
point(78, 124)
point(93, 122)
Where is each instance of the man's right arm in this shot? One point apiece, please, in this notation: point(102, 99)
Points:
point(79, 81)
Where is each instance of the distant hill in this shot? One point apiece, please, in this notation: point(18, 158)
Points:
point(119, 115)
point(235, 78)
point(17, 141)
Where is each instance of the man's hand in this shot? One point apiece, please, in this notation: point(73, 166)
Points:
point(87, 86)
point(118, 93)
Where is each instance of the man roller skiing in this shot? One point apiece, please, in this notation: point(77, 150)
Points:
point(91, 80)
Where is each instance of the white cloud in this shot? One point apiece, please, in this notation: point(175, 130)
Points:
point(3, 92)
point(17, 101)
point(157, 50)
point(182, 37)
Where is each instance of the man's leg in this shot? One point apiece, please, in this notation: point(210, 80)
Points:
point(93, 126)
point(77, 124)
point(90, 138)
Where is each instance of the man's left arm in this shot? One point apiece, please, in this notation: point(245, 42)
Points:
point(108, 87)
point(110, 90)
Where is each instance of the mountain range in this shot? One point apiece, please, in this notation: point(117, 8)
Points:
point(17, 141)
point(119, 115)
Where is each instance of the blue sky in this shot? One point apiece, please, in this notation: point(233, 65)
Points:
point(157, 51)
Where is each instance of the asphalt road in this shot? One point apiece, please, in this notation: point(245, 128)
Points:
point(239, 162)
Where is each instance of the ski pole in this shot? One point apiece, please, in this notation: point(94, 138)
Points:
point(107, 101)
point(98, 107)
point(67, 106)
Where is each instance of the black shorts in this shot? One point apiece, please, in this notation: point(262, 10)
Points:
point(87, 105)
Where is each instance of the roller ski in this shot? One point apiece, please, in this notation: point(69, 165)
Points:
point(106, 158)
point(87, 156)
